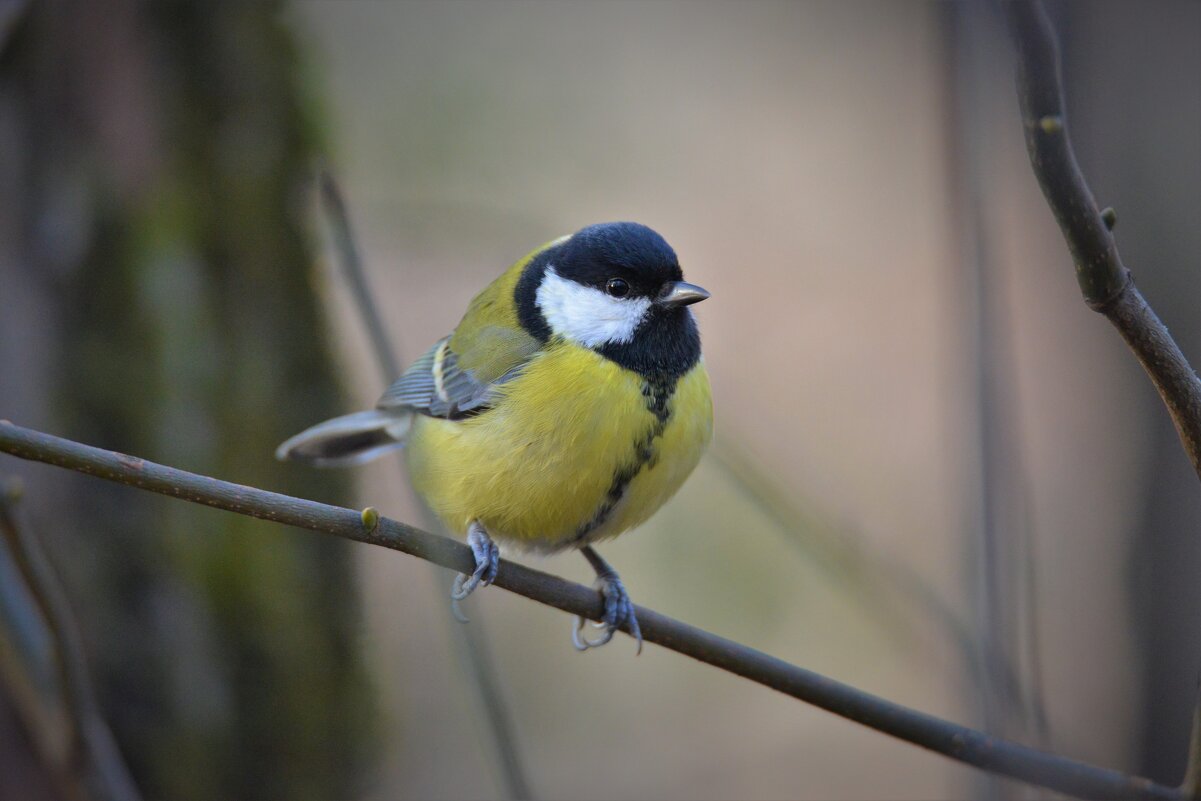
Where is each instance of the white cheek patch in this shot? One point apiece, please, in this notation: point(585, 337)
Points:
point(587, 315)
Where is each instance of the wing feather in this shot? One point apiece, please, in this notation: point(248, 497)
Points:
point(459, 376)
point(436, 385)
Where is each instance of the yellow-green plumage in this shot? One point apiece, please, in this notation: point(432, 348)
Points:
point(489, 340)
point(540, 464)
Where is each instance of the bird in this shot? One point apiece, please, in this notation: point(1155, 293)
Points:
point(566, 407)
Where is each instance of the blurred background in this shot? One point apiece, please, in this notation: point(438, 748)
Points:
point(937, 476)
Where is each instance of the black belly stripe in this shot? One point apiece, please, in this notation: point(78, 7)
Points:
point(656, 393)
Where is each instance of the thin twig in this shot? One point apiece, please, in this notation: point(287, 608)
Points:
point(950, 739)
point(352, 263)
point(877, 583)
point(95, 767)
point(474, 639)
point(1104, 280)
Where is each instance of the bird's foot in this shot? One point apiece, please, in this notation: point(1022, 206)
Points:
point(487, 562)
point(619, 609)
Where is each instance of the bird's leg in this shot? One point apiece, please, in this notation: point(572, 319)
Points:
point(487, 562)
point(619, 610)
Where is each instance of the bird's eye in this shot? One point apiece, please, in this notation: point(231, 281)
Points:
point(617, 287)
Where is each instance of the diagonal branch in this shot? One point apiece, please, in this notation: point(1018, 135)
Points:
point(93, 768)
point(352, 265)
point(1104, 280)
point(949, 739)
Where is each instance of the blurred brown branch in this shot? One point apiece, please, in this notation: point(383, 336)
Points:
point(958, 742)
point(344, 242)
point(893, 594)
point(479, 664)
point(89, 765)
point(1104, 280)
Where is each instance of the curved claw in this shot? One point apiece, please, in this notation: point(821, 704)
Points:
point(455, 610)
point(487, 563)
point(619, 611)
point(465, 585)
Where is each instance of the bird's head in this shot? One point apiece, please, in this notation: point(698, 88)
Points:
point(616, 288)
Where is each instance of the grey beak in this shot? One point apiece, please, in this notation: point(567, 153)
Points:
point(681, 293)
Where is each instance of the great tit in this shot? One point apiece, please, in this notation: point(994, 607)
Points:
point(566, 407)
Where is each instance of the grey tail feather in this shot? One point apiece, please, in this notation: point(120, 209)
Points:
point(349, 440)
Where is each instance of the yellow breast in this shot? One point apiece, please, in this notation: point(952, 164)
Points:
point(576, 449)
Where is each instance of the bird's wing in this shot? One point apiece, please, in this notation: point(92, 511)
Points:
point(439, 385)
point(459, 375)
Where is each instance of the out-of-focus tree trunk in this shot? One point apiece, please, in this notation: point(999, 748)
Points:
point(156, 299)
